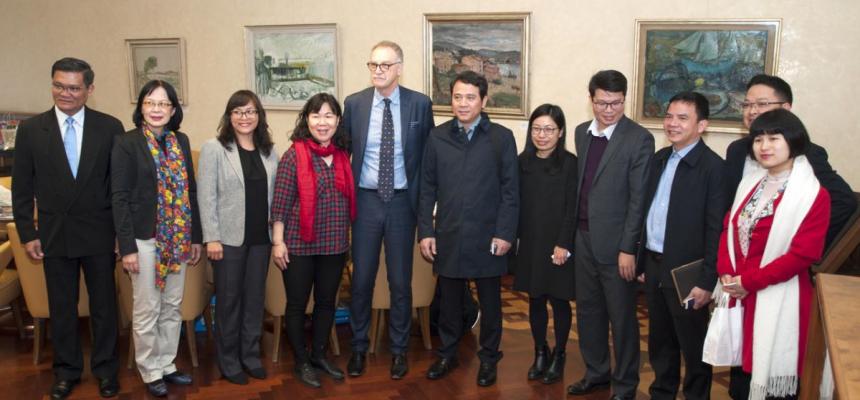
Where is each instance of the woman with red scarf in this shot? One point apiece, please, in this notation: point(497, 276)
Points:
point(313, 205)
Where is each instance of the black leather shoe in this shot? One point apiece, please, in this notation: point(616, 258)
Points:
point(157, 388)
point(555, 371)
point(585, 386)
point(355, 366)
point(487, 374)
point(328, 367)
point(399, 366)
point(441, 367)
point(539, 366)
point(177, 378)
point(108, 387)
point(617, 397)
point(238, 379)
point(63, 388)
point(257, 373)
point(307, 375)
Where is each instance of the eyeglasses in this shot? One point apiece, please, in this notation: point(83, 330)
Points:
point(760, 104)
point(328, 119)
point(164, 105)
point(546, 130)
point(244, 113)
point(604, 105)
point(70, 89)
point(372, 66)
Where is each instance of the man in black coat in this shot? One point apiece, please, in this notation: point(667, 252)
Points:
point(470, 174)
point(62, 160)
point(765, 93)
point(685, 199)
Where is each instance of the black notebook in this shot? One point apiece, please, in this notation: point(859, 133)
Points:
point(685, 278)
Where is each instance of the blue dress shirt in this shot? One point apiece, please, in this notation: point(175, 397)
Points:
point(369, 178)
point(656, 222)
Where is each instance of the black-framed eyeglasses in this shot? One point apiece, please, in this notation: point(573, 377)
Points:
point(760, 104)
point(244, 113)
point(372, 66)
point(604, 105)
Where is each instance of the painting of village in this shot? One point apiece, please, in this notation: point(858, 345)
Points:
point(289, 64)
point(161, 59)
point(494, 46)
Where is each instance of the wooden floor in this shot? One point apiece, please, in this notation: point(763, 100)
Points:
point(22, 380)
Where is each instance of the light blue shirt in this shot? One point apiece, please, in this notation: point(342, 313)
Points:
point(656, 222)
point(370, 166)
point(79, 126)
point(471, 130)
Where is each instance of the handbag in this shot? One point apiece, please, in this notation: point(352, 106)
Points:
point(723, 342)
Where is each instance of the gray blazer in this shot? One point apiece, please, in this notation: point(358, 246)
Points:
point(221, 192)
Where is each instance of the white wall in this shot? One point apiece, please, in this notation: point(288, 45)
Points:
point(571, 39)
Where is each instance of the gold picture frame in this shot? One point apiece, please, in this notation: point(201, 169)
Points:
point(157, 59)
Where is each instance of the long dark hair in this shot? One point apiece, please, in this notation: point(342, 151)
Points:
point(530, 151)
point(313, 105)
point(262, 136)
point(146, 90)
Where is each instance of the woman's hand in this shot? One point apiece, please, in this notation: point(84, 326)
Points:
point(129, 263)
point(734, 287)
point(560, 255)
point(280, 255)
point(214, 251)
point(196, 251)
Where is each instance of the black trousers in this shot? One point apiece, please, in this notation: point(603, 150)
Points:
point(675, 332)
point(240, 287)
point(451, 316)
point(321, 273)
point(539, 318)
point(62, 275)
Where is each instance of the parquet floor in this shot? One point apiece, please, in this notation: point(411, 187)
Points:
point(22, 380)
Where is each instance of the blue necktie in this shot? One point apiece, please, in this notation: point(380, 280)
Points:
point(70, 142)
point(385, 184)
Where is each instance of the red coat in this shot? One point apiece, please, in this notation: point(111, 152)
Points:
point(806, 248)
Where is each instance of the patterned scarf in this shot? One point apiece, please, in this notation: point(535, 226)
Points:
point(307, 182)
point(173, 218)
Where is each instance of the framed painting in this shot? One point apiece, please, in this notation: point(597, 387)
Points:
point(162, 59)
point(713, 57)
point(495, 45)
point(288, 64)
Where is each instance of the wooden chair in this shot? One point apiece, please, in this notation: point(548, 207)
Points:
point(423, 288)
point(10, 287)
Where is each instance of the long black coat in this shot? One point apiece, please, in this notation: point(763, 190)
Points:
point(475, 186)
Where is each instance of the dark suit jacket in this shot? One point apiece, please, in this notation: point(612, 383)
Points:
point(135, 190)
point(694, 220)
point(842, 200)
point(615, 202)
point(74, 214)
point(476, 186)
point(416, 121)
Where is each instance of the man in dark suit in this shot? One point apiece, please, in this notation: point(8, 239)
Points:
point(62, 160)
point(686, 204)
point(470, 176)
point(765, 93)
point(388, 125)
point(614, 153)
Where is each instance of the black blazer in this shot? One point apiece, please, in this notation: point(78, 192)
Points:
point(135, 190)
point(74, 214)
point(842, 200)
point(416, 121)
point(694, 220)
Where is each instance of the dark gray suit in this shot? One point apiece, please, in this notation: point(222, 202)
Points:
point(393, 222)
point(615, 214)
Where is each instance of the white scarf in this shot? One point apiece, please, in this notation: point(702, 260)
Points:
point(777, 317)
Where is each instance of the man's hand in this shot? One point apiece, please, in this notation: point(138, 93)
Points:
point(281, 255)
point(129, 263)
point(626, 266)
point(502, 246)
point(428, 248)
point(34, 249)
point(196, 252)
point(701, 297)
point(214, 251)
point(559, 255)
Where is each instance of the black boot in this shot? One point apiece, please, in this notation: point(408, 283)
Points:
point(555, 372)
point(538, 368)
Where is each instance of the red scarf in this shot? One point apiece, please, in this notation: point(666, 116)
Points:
point(306, 180)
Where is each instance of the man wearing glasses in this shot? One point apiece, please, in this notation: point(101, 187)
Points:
point(614, 153)
point(62, 160)
point(388, 125)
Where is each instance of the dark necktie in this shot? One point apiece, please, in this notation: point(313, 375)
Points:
point(385, 184)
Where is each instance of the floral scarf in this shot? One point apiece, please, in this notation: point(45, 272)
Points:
point(173, 216)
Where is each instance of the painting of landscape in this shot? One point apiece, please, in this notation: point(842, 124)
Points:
point(161, 59)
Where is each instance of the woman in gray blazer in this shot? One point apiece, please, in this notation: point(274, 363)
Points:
point(236, 178)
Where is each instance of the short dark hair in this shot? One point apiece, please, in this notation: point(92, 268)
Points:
point(780, 87)
point(313, 105)
point(146, 90)
point(609, 80)
point(262, 136)
point(69, 64)
point(472, 78)
point(697, 99)
point(557, 115)
point(782, 122)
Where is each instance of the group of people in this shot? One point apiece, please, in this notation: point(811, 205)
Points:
point(582, 227)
